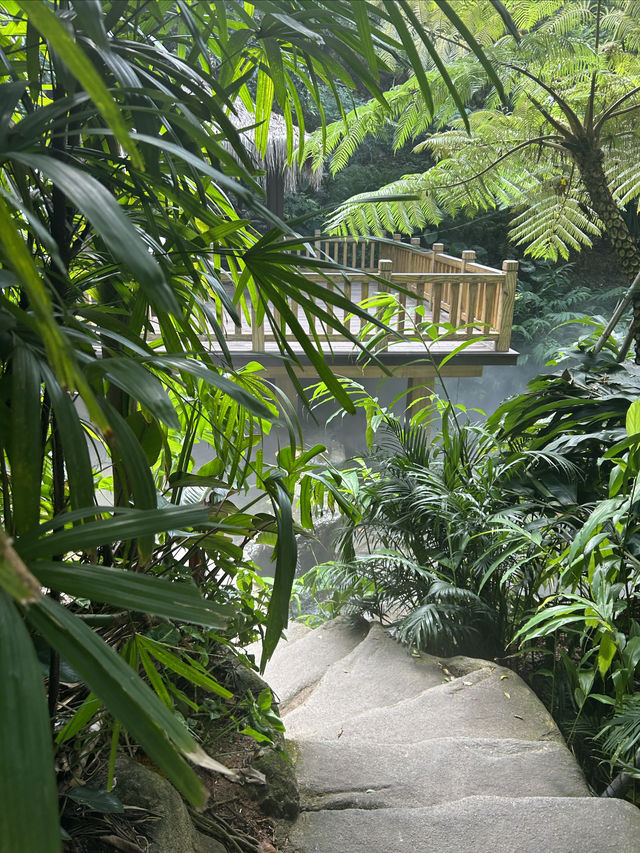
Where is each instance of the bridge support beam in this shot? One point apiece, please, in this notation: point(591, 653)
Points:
point(418, 402)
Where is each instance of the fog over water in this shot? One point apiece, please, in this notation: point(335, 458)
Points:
point(344, 438)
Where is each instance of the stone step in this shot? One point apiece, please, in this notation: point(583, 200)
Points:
point(377, 673)
point(293, 632)
point(335, 775)
point(296, 668)
point(488, 702)
point(475, 825)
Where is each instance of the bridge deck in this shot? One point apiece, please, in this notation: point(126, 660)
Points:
point(430, 302)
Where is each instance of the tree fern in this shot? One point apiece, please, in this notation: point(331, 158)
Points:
point(565, 95)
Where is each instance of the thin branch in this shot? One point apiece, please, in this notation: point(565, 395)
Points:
point(611, 111)
point(572, 118)
point(562, 130)
point(538, 139)
point(588, 118)
point(617, 314)
point(624, 349)
point(624, 111)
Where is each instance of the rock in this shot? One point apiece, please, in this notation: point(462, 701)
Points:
point(296, 669)
point(334, 775)
point(293, 632)
point(137, 785)
point(475, 825)
point(432, 755)
point(376, 673)
point(279, 797)
point(489, 702)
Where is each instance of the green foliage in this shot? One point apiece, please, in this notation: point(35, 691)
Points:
point(518, 537)
point(420, 525)
point(572, 81)
point(123, 261)
point(551, 302)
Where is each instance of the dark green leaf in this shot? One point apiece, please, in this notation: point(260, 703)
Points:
point(42, 17)
point(110, 222)
point(141, 385)
point(28, 773)
point(25, 447)
point(125, 525)
point(135, 591)
point(286, 560)
point(95, 799)
point(128, 698)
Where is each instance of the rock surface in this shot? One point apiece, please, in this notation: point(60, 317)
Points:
point(173, 830)
point(475, 825)
point(396, 753)
point(299, 665)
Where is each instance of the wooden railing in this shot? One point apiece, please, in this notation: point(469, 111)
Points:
point(435, 287)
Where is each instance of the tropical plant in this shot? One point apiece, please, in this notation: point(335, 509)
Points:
point(123, 259)
point(552, 302)
point(561, 156)
point(518, 537)
point(589, 414)
point(428, 542)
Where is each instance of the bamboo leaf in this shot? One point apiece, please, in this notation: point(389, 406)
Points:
point(286, 560)
point(74, 442)
point(183, 667)
point(361, 18)
point(89, 16)
point(20, 260)
point(85, 713)
point(141, 385)
point(435, 56)
point(276, 68)
point(473, 44)
point(15, 577)
point(236, 392)
point(264, 104)
point(28, 774)
point(25, 447)
point(407, 42)
point(40, 15)
point(153, 675)
point(144, 593)
point(126, 696)
point(124, 525)
point(111, 223)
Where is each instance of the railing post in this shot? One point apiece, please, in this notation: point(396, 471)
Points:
point(468, 301)
point(467, 256)
point(257, 332)
point(418, 266)
point(385, 271)
point(395, 254)
point(507, 301)
point(437, 248)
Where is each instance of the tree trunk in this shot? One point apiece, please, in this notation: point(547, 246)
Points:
point(589, 160)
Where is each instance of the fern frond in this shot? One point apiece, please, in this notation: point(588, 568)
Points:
point(622, 24)
point(527, 14)
point(623, 174)
point(551, 223)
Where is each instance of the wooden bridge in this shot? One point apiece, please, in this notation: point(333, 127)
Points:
point(441, 302)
